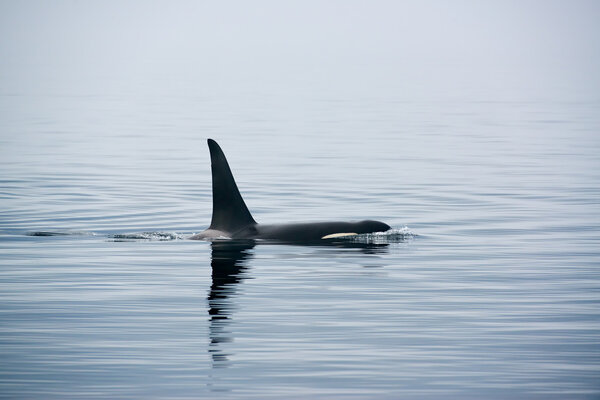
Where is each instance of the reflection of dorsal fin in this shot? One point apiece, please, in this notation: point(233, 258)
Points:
point(229, 210)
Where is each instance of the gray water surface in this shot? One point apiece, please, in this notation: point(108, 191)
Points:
point(494, 294)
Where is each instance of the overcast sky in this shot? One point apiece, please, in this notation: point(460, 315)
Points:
point(533, 45)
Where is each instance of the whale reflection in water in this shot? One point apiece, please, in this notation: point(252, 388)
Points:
point(229, 260)
point(228, 269)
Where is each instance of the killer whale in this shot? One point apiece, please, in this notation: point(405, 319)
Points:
point(232, 219)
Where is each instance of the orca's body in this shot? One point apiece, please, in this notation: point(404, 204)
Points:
point(232, 219)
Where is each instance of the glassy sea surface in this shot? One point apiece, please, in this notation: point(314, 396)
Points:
point(490, 287)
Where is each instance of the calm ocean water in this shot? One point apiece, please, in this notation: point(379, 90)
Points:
point(495, 293)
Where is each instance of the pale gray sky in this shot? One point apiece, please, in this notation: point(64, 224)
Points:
point(403, 45)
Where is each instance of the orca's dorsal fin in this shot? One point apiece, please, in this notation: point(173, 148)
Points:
point(230, 213)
